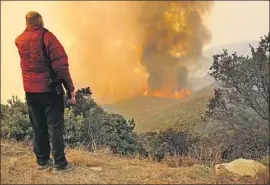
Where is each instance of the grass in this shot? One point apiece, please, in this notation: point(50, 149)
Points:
point(155, 113)
point(18, 167)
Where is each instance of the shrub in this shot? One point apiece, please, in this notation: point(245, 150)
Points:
point(168, 142)
point(86, 124)
point(74, 128)
point(15, 123)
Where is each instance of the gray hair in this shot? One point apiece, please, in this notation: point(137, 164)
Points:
point(34, 19)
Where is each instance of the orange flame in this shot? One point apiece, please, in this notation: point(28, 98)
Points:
point(177, 95)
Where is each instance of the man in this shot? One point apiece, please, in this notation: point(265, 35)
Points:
point(46, 108)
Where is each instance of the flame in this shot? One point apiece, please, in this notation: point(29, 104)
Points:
point(182, 93)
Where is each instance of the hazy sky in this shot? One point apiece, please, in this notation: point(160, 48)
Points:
point(234, 21)
point(229, 21)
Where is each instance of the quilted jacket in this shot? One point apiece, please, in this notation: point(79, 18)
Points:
point(34, 69)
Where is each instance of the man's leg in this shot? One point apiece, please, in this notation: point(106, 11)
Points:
point(55, 120)
point(41, 144)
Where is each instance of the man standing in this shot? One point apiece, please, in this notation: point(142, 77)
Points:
point(45, 106)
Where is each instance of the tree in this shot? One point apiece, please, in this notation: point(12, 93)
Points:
point(241, 100)
point(243, 92)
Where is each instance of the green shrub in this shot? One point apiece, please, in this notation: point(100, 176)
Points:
point(15, 123)
point(169, 142)
point(86, 124)
point(74, 128)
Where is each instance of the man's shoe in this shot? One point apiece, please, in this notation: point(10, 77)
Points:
point(47, 165)
point(63, 169)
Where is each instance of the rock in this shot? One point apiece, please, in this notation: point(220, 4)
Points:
point(96, 168)
point(242, 167)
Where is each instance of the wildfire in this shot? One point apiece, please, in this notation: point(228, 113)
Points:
point(177, 95)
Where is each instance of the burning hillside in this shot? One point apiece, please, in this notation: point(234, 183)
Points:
point(177, 94)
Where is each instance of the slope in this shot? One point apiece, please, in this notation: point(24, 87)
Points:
point(186, 114)
point(151, 113)
point(155, 113)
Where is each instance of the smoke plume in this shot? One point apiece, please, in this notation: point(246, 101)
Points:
point(173, 42)
point(122, 49)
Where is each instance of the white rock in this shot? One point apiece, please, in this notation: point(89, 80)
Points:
point(242, 167)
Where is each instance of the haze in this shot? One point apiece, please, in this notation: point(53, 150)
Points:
point(228, 21)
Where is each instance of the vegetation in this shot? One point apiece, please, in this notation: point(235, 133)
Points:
point(15, 121)
point(86, 124)
point(241, 102)
point(239, 106)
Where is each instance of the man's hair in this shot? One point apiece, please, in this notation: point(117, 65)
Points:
point(34, 19)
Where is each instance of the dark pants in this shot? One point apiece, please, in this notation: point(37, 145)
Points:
point(46, 111)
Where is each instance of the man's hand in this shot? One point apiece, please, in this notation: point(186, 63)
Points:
point(72, 98)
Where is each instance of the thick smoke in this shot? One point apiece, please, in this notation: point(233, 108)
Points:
point(172, 27)
point(104, 53)
point(122, 48)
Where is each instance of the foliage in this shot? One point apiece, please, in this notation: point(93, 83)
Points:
point(86, 124)
point(84, 102)
point(249, 146)
point(169, 142)
point(243, 96)
point(241, 101)
point(15, 123)
point(110, 130)
point(74, 128)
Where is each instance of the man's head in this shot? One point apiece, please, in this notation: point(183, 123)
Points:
point(34, 19)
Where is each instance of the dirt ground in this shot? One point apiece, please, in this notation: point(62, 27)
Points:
point(18, 167)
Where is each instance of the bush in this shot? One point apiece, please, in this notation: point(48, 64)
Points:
point(15, 123)
point(245, 145)
point(110, 130)
point(168, 142)
point(74, 128)
point(86, 124)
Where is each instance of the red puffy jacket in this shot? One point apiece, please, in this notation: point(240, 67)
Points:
point(34, 69)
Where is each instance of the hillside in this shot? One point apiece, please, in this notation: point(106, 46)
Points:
point(18, 167)
point(155, 113)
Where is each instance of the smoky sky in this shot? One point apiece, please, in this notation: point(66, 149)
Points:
point(121, 48)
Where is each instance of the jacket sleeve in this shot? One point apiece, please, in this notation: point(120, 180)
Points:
point(59, 60)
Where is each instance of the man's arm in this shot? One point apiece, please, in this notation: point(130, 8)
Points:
point(59, 60)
